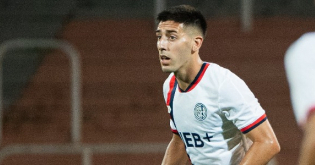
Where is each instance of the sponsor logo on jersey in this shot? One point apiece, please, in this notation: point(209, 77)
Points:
point(194, 139)
point(200, 112)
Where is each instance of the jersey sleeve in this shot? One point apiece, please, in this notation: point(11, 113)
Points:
point(300, 69)
point(239, 104)
point(167, 87)
point(173, 128)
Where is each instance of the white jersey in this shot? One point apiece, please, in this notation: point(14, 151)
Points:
point(300, 69)
point(211, 115)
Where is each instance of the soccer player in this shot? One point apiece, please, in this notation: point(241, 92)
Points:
point(215, 118)
point(300, 70)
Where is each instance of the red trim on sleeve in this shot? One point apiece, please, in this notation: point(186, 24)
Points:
point(254, 124)
point(174, 131)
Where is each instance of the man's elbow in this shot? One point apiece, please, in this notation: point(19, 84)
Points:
point(274, 147)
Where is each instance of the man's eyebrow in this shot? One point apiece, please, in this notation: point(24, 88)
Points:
point(167, 31)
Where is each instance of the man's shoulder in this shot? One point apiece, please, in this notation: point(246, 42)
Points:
point(168, 80)
point(302, 48)
point(215, 70)
point(216, 66)
point(308, 36)
point(305, 41)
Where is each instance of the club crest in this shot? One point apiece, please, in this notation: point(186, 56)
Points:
point(200, 111)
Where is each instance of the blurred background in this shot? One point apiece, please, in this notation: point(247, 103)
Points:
point(115, 113)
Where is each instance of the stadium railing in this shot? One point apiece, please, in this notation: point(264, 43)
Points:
point(75, 146)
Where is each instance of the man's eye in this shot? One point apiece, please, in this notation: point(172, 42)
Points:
point(172, 37)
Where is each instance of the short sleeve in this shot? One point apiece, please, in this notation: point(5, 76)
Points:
point(239, 104)
point(167, 86)
point(173, 128)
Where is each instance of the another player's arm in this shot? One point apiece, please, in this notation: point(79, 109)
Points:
point(308, 143)
point(265, 145)
point(175, 152)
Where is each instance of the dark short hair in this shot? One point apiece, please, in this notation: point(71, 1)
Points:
point(185, 14)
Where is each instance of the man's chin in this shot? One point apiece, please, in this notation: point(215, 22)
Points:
point(166, 70)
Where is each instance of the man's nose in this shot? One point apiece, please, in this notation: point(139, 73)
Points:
point(161, 44)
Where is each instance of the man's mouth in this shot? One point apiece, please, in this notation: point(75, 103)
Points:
point(165, 60)
point(163, 57)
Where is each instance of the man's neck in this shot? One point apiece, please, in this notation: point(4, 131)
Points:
point(187, 75)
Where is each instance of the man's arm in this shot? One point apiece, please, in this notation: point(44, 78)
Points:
point(308, 143)
point(265, 145)
point(175, 152)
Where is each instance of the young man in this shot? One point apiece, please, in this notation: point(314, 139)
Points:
point(300, 69)
point(213, 113)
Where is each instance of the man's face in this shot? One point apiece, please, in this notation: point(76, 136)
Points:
point(174, 45)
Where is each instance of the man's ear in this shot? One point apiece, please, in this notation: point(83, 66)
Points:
point(197, 43)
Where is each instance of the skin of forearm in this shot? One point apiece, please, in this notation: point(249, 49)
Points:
point(307, 152)
point(308, 143)
point(260, 153)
